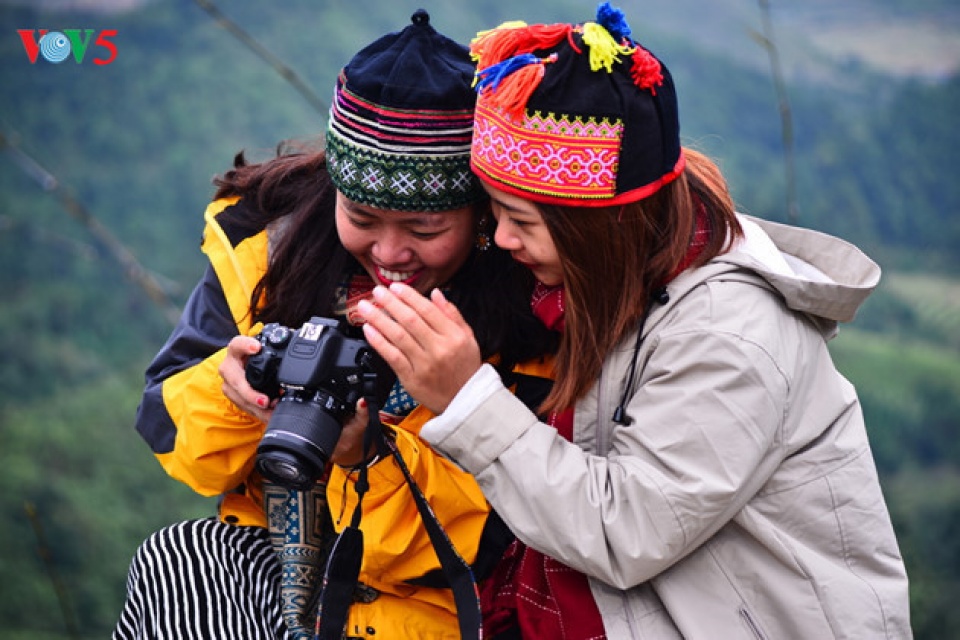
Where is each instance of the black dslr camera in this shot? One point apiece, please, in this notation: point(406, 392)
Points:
point(319, 373)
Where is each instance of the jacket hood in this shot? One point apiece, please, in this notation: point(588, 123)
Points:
point(817, 274)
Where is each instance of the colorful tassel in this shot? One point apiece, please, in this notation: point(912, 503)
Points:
point(541, 37)
point(493, 45)
point(646, 71)
point(604, 50)
point(504, 56)
point(612, 19)
point(509, 84)
point(513, 39)
point(489, 79)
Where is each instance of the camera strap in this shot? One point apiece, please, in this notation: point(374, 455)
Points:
point(457, 571)
point(343, 567)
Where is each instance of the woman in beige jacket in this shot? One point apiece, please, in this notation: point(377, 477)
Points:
point(700, 469)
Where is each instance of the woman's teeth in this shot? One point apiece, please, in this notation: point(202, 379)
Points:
point(395, 276)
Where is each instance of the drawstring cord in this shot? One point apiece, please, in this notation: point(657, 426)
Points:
point(660, 296)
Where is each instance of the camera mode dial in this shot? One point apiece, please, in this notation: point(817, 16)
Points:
point(276, 336)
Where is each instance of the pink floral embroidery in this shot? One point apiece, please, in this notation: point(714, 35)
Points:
point(556, 155)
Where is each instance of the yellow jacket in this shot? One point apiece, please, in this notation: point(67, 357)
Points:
point(202, 439)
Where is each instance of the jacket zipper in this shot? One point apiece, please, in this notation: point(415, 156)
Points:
point(602, 430)
point(751, 624)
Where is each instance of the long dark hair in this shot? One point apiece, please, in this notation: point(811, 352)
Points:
point(308, 261)
point(614, 258)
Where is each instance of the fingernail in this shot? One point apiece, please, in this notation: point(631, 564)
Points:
point(379, 291)
point(362, 403)
point(262, 402)
point(365, 306)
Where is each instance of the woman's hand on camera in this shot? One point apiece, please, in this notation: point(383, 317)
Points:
point(235, 385)
point(349, 450)
point(425, 341)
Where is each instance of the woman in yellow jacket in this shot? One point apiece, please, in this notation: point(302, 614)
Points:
point(309, 233)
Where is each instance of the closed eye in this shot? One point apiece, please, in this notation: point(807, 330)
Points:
point(425, 235)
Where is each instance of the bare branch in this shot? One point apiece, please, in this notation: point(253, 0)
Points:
point(43, 548)
point(137, 273)
point(767, 40)
point(276, 63)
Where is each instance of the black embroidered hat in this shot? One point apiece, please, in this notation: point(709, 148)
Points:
point(400, 126)
point(574, 113)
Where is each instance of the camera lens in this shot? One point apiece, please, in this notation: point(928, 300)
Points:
point(285, 470)
point(299, 440)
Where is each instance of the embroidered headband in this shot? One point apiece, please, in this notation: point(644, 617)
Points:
point(399, 132)
point(574, 114)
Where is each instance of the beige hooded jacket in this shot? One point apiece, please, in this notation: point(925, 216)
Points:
point(742, 501)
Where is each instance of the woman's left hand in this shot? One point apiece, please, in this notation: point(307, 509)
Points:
point(425, 341)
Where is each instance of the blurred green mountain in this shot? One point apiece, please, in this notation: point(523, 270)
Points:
point(873, 94)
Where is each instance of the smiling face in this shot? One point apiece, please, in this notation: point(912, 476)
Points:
point(421, 249)
point(522, 231)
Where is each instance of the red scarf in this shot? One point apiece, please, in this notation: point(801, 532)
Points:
point(528, 590)
point(356, 288)
point(542, 597)
point(547, 304)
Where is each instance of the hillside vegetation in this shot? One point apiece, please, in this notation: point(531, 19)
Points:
point(136, 143)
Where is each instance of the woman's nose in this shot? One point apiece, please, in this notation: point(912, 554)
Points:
point(505, 238)
point(391, 248)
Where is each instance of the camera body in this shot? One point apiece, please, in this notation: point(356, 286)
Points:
point(319, 374)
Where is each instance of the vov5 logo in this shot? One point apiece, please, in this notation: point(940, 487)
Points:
point(56, 46)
